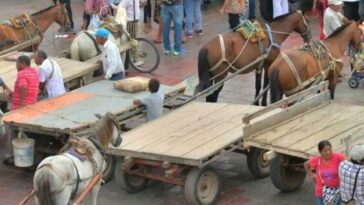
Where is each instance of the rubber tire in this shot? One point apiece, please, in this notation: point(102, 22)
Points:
point(123, 180)
point(156, 52)
point(285, 178)
point(108, 174)
point(255, 166)
point(191, 186)
point(353, 82)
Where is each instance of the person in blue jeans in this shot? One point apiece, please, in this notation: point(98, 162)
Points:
point(172, 10)
point(193, 16)
point(251, 15)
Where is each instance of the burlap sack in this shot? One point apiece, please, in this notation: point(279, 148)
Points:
point(132, 85)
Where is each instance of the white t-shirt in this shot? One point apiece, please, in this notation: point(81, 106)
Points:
point(111, 59)
point(54, 84)
point(332, 21)
point(132, 9)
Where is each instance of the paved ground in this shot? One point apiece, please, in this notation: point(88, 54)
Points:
point(240, 187)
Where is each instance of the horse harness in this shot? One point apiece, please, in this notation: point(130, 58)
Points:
point(319, 51)
point(273, 44)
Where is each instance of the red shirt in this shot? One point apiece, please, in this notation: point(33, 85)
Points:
point(28, 77)
point(329, 172)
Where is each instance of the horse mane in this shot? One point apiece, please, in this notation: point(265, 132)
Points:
point(338, 30)
point(103, 130)
point(42, 11)
point(283, 16)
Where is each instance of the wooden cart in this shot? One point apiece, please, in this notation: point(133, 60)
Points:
point(178, 148)
point(50, 122)
point(291, 135)
point(75, 73)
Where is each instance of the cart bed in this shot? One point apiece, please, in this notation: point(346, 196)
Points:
point(190, 135)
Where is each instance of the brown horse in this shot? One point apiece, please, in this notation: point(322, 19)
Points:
point(36, 25)
point(296, 70)
point(231, 52)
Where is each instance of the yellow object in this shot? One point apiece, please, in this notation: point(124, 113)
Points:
point(132, 85)
point(20, 21)
point(252, 31)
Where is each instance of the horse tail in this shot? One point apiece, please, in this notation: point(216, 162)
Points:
point(203, 70)
point(43, 192)
point(275, 89)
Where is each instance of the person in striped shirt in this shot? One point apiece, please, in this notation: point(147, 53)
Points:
point(26, 84)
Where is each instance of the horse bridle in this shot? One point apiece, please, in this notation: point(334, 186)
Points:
point(306, 33)
point(119, 139)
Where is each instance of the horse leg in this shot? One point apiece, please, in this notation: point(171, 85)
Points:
point(94, 193)
point(63, 198)
point(258, 84)
point(266, 83)
point(276, 93)
point(332, 87)
point(213, 97)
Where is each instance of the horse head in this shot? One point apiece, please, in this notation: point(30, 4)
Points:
point(61, 17)
point(107, 130)
point(356, 38)
point(302, 27)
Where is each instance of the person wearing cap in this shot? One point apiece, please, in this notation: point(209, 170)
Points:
point(333, 18)
point(111, 60)
point(351, 174)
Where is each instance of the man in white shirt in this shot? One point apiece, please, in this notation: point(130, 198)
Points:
point(50, 75)
point(111, 60)
point(333, 19)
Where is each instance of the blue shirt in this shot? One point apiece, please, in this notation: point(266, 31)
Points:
point(154, 104)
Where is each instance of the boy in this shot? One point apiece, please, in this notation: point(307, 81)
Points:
point(153, 102)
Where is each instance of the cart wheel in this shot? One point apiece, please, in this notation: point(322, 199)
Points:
point(110, 168)
point(353, 82)
point(256, 163)
point(285, 177)
point(203, 186)
point(147, 56)
point(129, 182)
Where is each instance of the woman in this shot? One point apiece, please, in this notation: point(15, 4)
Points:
point(326, 168)
point(320, 6)
point(233, 8)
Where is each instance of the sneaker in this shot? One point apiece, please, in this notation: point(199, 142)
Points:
point(179, 53)
point(139, 63)
point(168, 52)
point(199, 32)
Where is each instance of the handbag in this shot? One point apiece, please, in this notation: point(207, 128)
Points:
point(330, 195)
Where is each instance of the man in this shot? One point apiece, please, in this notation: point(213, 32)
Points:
point(172, 10)
point(333, 19)
point(50, 75)
point(111, 60)
point(351, 174)
point(153, 102)
point(26, 84)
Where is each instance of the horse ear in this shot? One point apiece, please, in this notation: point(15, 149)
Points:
point(98, 116)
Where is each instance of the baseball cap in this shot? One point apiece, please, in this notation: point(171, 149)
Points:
point(102, 33)
point(334, 2)
point(357, 152)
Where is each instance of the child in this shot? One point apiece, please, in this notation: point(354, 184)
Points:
point(153, 102)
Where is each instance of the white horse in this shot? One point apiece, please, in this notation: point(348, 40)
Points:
point(84, 46)
point(60, 177)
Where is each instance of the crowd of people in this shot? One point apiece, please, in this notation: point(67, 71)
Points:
point(337, 180)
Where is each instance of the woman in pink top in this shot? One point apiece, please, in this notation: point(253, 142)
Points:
point(326, 167)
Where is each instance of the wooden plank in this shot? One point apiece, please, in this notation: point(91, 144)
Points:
point(201, 132)
point(171, 124)
point(283, 129)
point(285, 102)
point(286, 114)
point(304, 125)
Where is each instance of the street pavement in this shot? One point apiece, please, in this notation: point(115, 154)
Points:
point(239, 186)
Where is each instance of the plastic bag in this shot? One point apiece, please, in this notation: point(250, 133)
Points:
point(94, 22)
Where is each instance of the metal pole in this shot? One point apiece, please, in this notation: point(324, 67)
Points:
point(96, 179)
